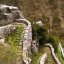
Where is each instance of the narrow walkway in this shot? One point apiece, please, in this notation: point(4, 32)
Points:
point(50, 60)
point(42, 50)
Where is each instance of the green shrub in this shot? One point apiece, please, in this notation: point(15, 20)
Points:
point(39, 33)
point(42, 35)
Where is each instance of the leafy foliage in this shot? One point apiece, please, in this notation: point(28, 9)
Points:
point(42, 35)
point(39, 33)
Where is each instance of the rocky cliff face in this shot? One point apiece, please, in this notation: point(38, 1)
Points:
point(8, 14)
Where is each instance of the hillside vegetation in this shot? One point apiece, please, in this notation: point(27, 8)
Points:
point(51, 13)
point(11, 54)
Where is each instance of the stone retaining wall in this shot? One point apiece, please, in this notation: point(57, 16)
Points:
point(4, 30)
point(53, 54)
point(42, 59)
point(8, 14)
point(12, 15)
point(61, 50)
point(26, 42)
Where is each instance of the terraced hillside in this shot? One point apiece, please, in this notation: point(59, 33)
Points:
point(49, 13)
point(36, 56)
point(10, 49)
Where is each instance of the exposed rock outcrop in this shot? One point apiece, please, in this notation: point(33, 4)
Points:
point(34, 46)
point(8, 14)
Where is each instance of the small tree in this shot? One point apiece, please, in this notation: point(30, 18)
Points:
point(42, 35)
point(39, 33)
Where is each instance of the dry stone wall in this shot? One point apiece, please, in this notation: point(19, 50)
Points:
point(53, 54)
point(25, 43)
point(27, 40)
point(8, 14)
point(61, 50)
point(42, 59)
point(4, 30)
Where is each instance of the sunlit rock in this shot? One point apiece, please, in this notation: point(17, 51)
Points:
point(39, 23)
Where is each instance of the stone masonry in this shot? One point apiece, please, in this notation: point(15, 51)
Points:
point(8, 14)
point(53, 54)
point(26, 42)
point(11, 14)
point(4, 30)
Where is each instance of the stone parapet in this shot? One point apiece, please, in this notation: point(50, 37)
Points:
point(42, 59)
point(53, 54)
point(61, 50)
point(27, 40)
point(5, 30)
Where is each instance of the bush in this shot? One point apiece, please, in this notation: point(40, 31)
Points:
point(42, 35)
point(39, 33)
